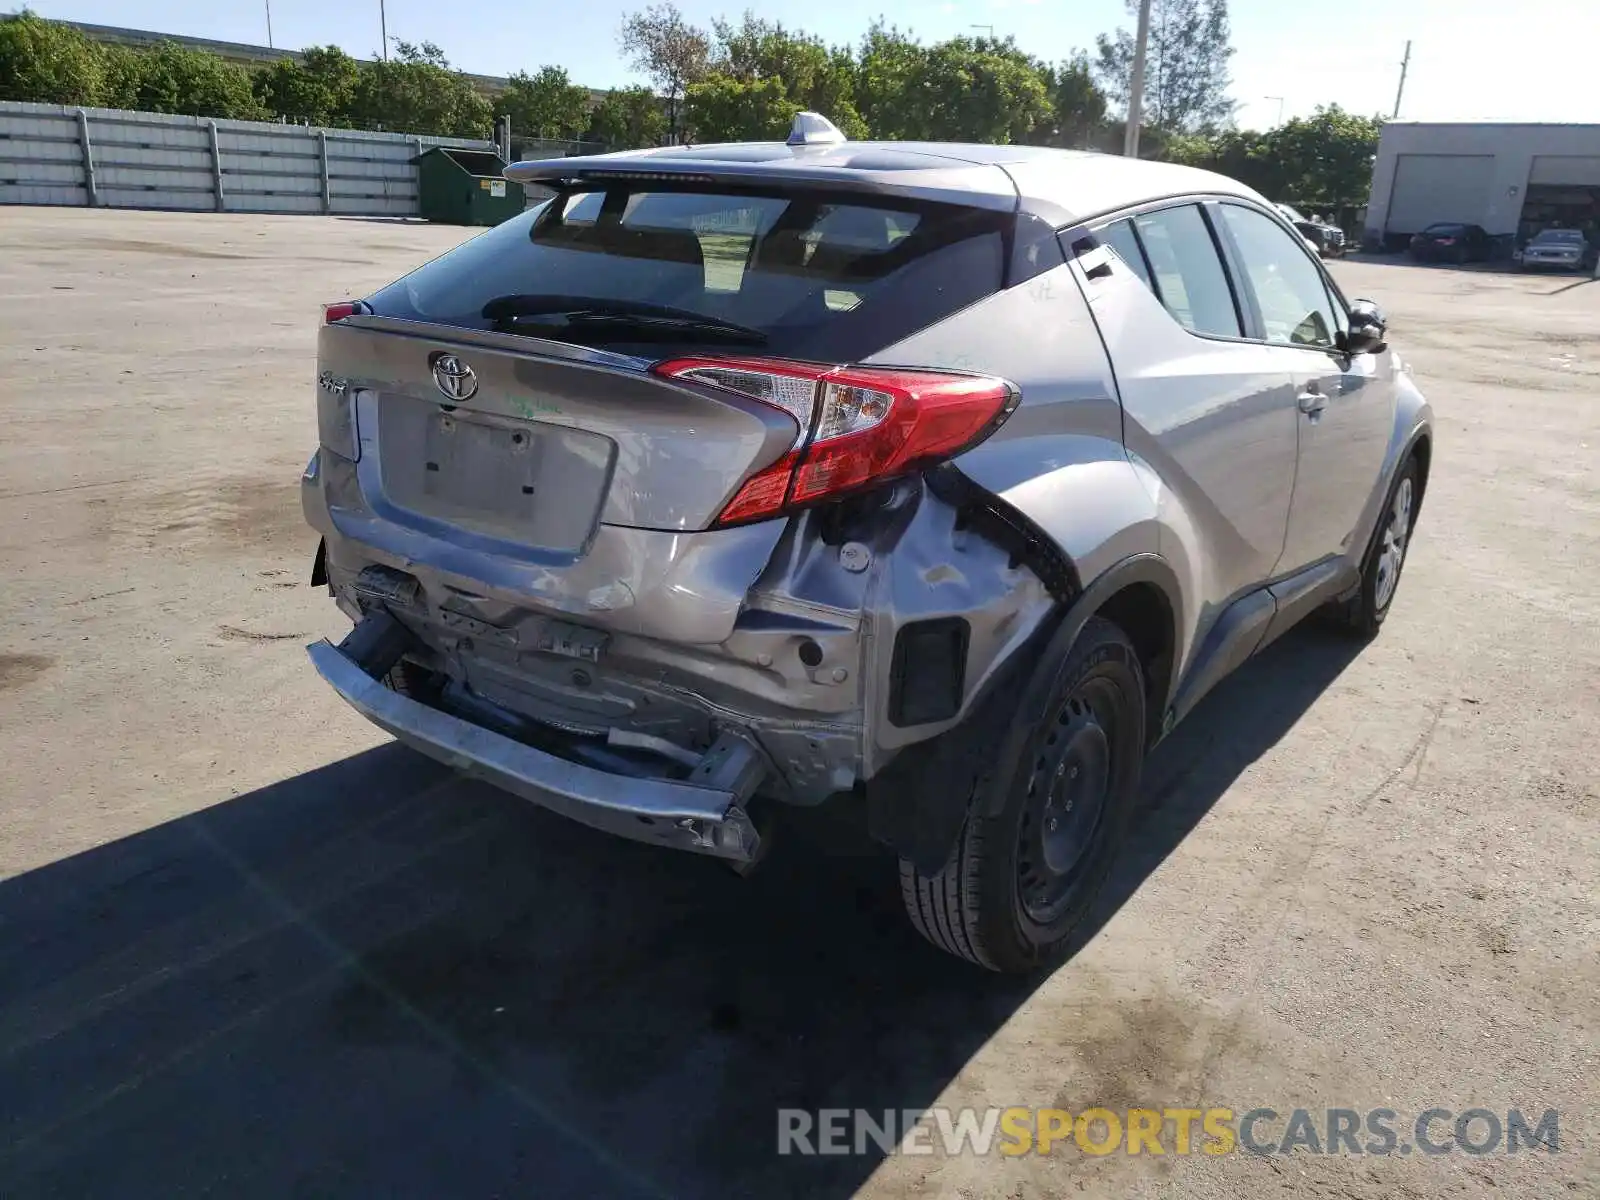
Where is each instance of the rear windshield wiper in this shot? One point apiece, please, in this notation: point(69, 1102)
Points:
point(591, 318)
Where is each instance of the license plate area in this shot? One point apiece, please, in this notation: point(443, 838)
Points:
point(532, 483)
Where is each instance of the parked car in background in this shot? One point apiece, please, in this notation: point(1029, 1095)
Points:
point(1449, 241)
point(1326, 238)
point(941, 481)
point(1558, 249)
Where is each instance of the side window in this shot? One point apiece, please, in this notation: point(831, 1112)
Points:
point(1296, 309)
point(1119, 235)
point(1188, 274)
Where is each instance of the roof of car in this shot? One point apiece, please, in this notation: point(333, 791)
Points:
point(1065, 184)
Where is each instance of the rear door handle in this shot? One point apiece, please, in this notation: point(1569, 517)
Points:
point(1312, 402)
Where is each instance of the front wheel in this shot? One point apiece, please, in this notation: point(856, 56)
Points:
point(1044, 827)
point(1386, 554)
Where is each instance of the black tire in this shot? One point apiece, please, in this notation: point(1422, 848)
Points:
point(1366, 611)
point(1036, 845)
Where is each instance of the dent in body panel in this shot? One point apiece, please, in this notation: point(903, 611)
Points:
point(937, 570)
point(685, 587)
point(1059, 460)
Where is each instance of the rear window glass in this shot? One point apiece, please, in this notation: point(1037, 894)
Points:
point(1188, 274)
point(1119, 235)
point(1445, 229)
point(812, 275)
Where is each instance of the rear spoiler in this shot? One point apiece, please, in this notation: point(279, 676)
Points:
point(974, 185)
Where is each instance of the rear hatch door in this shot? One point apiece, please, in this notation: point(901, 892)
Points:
point(495, 435)
point(504, 390)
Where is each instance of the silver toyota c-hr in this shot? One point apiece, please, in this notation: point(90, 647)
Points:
point(939, 479)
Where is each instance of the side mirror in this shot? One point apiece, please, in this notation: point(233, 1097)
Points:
point(1368, 329)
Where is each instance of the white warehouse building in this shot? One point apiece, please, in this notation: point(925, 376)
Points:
point(1513, 180)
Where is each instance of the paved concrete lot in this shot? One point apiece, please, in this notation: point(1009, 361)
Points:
point(248, 947)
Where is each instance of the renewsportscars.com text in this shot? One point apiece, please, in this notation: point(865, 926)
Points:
point(1168, 1130)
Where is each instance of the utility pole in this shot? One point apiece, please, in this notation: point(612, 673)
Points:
point(1401, 90)
point(383, 27)
point(1130, 137)
point(1279, 99)
point(990, 28)
point(269, 24)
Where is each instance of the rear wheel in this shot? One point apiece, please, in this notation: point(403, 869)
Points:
point(1044, 827)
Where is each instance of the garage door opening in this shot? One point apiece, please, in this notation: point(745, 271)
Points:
point(1558, 206)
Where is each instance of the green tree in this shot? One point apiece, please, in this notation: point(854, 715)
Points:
point(420, 53)
point(628, 118)
point(964, 89)
point(1186, 65)
point(48, 62)
point(120, 72)
point(545, 105)
point(1326, 158)
point(721, 108)
point(660, 42)
point(1078, 106)
point(761, 74)
point(417, 92)
point(885, 65)
point(169, 78)
point(982, 90)
point(319, 88)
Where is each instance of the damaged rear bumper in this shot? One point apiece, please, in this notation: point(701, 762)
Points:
point(704, 814)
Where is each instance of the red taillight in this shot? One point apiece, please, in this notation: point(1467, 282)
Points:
point(339, 311)
point(858, 425)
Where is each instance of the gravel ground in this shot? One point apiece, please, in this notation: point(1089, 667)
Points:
point(247, 946)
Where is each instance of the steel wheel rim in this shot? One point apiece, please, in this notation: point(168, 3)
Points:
point(1392, 549)
point(1067, 799)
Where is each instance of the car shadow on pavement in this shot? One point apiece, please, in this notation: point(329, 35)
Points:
point(377, 979)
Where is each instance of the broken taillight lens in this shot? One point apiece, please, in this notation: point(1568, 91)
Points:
point(858, 425)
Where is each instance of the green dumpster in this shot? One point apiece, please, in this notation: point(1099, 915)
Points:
point(466, 187)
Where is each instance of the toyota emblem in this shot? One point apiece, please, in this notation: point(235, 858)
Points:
point(454, 378)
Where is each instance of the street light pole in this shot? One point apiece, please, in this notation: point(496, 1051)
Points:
point(383, 26)
point(1279, 99)
point(269, 24)
point(1130, 137)
point(1405, 65)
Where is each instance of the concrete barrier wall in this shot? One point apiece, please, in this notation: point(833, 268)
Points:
point(50, 154)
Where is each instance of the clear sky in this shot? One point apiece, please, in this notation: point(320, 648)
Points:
point(1466, 61)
